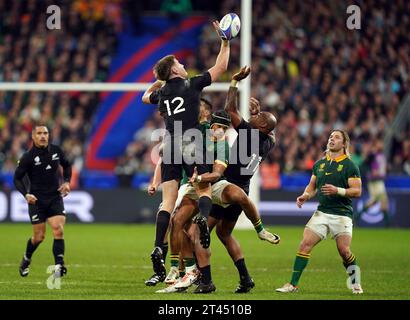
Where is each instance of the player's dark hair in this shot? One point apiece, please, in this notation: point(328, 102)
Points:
point(36, 125)
point(162, 69)
point(207, 104)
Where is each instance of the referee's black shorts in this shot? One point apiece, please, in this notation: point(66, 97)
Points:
point(46, 207)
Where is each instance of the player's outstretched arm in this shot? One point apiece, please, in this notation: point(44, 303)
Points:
point(231, 105)
point(221, 64)
point(309, 193)
point(146, 98)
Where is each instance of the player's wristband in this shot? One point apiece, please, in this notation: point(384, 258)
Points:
point(234, 83)
point(341, 192)
point(307, 193)
point(198, 179)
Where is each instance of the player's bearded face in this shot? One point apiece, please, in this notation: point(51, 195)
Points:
point(335, 142)
point(40, 137)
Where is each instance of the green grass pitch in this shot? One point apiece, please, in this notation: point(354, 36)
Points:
point(112, 262)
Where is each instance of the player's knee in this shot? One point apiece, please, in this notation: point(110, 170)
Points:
point(58, 231)
point(305, 246)
point(39, 237)
point(223, 235)
point(238, 197)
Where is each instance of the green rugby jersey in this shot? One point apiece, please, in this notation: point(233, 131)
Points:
point(335, 172)
point(184, 179)
point(218, 150)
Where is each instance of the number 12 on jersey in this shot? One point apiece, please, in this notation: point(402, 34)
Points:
point(179, 108)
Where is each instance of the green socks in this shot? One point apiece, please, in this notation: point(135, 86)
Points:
point(301, 262)
point(258, 225)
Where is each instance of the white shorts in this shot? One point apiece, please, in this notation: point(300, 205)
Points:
point(217, 189)
point(324, 223)
point(377, 190)
point(181, 192)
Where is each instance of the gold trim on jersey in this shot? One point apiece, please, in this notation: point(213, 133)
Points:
point(338, 159)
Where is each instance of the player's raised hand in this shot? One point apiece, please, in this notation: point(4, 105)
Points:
point(194, 177)
point(31, 199)
point(64, 189)
point(219, 31)
point(242, 74)
point(254, 106)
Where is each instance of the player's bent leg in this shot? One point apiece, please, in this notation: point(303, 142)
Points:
point(169, 195)
point(191, 270)
point(310, 239)
point(39, 231)
point(57, 225)
point(343, 242)
point(232, 194)
point(178, 221)
point(224, 231)
point(204, 192)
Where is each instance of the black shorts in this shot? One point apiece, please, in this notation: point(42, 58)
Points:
point(174, 171)
point(46, 208)
point(230, 213)
point(174, 161)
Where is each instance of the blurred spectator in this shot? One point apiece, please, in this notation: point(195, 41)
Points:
point(80, 51)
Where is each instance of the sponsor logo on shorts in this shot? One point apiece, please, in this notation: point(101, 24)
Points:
point(35, 218)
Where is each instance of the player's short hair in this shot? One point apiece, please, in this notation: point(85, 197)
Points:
point(36, 125)
point(162, 69)
point(207, 104)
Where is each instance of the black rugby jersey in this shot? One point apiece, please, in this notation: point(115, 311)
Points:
point(41, 165)
point(240, 173)
point(178, 100)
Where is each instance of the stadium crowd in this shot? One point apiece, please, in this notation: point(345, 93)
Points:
point(317, 75)
point(308, 68)
point(80, 51)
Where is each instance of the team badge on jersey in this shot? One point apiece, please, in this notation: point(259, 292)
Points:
point(340, 167)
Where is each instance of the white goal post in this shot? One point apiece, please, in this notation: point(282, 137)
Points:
point(244, 89)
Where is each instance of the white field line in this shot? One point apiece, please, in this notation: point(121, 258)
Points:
point(259, 269)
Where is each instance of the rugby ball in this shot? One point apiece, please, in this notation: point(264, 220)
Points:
point(230, 25)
